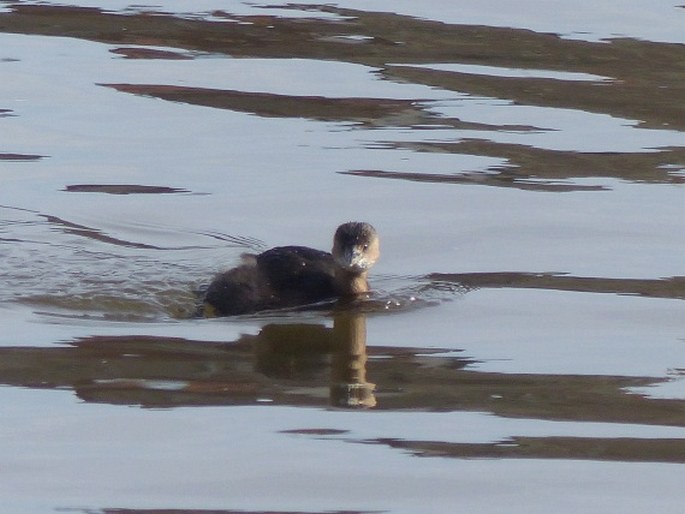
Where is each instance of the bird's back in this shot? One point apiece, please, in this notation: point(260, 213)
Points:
point(297, 274)
point(282, 277)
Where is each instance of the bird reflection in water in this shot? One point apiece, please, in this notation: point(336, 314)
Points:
point(313, 365)
point(286, 364)
point(349, 387)
point(298, 351)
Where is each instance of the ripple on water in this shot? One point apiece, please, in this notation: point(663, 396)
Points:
point(74, 270)
point(79, 271)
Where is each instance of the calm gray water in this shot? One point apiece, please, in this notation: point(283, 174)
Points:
point(523, 348)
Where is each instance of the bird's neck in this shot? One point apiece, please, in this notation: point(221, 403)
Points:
point(350, 283)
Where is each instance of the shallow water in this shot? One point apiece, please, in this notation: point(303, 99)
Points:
point(523, 348)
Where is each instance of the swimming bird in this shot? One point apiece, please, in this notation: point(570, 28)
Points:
point(290, 276)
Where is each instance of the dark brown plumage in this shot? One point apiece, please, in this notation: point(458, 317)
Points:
point(289, 276)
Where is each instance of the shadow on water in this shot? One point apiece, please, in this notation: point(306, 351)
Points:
point(637, 81)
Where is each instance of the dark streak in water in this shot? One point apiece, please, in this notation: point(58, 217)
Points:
point(647, 81)
point(315, 431)
point(364, 110)
point(641, 69)
point(123, 189)
point(20, 157)
point(671, 287)
point(586, 448)
point(91, 233)
point(543, 164)
point(247, 241)
point(371, 112)
point(20, 209)
point(502, 179)
point(529, 168)
point(150, 53)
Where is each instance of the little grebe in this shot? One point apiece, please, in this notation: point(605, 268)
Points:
point(288, 276)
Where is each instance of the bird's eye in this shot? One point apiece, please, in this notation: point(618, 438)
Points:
point(366, 247)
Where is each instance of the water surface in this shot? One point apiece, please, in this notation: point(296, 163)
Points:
point(523, 348)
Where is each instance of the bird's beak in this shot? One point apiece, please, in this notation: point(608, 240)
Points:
point(354, 260)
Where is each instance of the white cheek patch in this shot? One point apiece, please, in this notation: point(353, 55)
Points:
point(362, 264)
point(354, 265)
point(355, 259)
